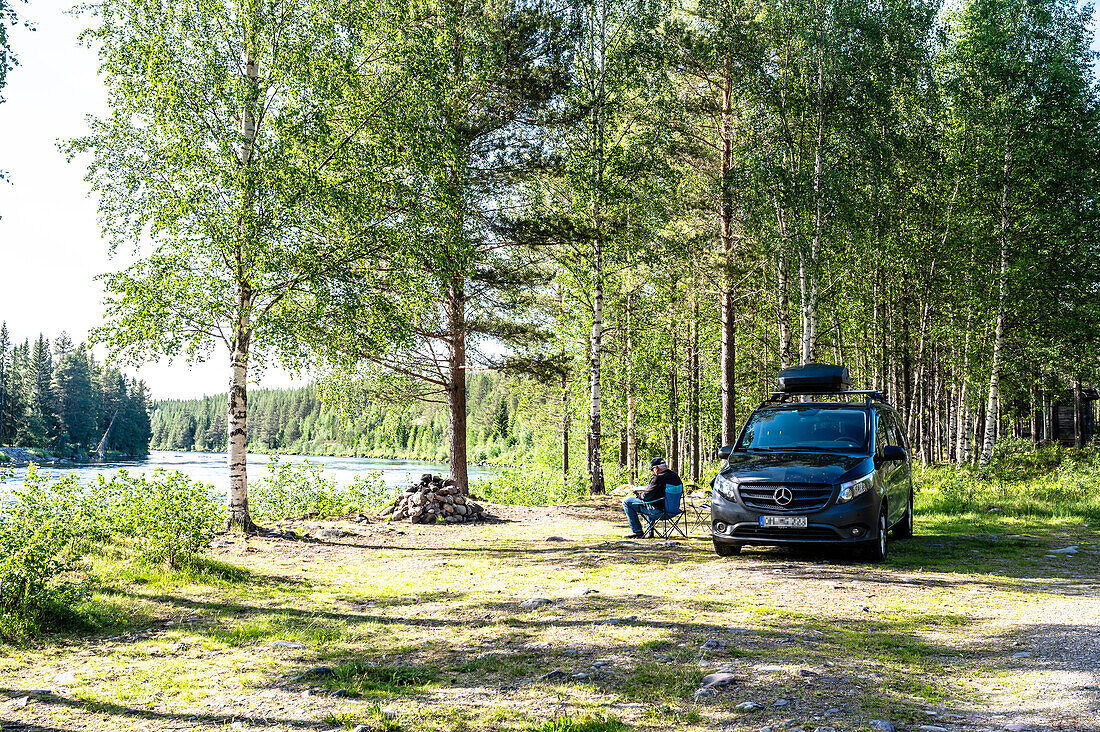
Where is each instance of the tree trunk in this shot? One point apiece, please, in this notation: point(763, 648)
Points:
point(729, 327)
point(631, 417)
point(808, 265)
point(456, 380)
point(695, 444)
point(1035, 411)
point(963, 407)
point(237, 425)
point(595, 466)
point(1078, 415)
point(564, 430)
point(238, 518)
point(673, 405)
point(783, 312)
point(992, 409)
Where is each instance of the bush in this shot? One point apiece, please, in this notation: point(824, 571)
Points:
point(532, 486)
point(1052, 481)
point(300, 489)
point(37, 543)
point(170, 517)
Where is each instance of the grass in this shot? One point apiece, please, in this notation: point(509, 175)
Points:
point(419, 627)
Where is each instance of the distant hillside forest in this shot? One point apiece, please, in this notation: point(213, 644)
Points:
point(297, 421)
point(60, 400)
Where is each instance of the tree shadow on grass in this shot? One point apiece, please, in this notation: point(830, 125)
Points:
point(187, 720)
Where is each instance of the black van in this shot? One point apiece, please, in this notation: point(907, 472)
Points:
point(807, 472)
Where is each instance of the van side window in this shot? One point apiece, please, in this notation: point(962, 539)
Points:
point(897, 435)
point(881, 440)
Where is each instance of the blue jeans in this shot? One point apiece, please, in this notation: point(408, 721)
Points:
point(634, 506)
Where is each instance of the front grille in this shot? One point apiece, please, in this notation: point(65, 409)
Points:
point(810, 533)
point(804, 498)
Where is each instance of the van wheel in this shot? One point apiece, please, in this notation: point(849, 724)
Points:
point(876, 550)
point(726, 550)
point(904, 529)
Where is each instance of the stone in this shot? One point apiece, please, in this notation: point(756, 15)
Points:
point(21, 702)
point(555, 674)
point(932, 728)
point(805, 672)
point(627, 705)
point(535, 602)
point(287, 644)
point(781, 702)
point(714, 644)
point(64, 678)
point(1067, 550)
point(748, 706)
point(555, 538)
point(883, 725)
point(1017, 727)
point(771, 669)
point(1021, 654)
point(579, 676)
point(705, 694)
point(316, 672)
point(825, 729)
point(539, 646)
point(719, 679)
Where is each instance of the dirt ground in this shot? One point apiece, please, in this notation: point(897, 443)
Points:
point(546, 619)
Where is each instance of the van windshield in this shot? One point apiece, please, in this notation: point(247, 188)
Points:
point(806, 428)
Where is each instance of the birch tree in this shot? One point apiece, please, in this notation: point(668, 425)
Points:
point(215, 169)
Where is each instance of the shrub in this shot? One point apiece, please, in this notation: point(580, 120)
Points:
point(170, 517)
point(299, 489)
point(37, 543)
point(532, 486)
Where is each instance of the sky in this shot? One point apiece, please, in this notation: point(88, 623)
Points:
point(50, 244)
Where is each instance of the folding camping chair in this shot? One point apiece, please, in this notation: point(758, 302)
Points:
point(664, 521)
point(697, 507)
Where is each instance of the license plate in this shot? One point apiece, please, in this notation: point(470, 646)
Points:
point(784, 522)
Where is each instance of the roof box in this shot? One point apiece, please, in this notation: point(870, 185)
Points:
point(813, 378)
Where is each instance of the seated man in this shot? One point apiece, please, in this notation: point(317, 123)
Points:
point(651, 500)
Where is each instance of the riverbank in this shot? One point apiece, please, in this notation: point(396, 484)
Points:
point(541, 621)
point(21, 457)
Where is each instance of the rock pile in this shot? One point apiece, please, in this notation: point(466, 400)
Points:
point(434, 498)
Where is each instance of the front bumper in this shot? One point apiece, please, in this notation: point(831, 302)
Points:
point(846, 523)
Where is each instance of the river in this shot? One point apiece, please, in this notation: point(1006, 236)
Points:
point(210, 467)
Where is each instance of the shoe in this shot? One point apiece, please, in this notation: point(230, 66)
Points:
point(633, 536)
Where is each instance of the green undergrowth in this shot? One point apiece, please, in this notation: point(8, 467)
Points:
point(581, 724)
point(1052, 482)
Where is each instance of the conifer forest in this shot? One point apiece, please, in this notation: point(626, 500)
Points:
point(56, 397)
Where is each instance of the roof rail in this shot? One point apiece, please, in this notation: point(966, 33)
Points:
point(779, 397)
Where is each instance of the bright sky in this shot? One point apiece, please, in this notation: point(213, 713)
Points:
point(50, 245)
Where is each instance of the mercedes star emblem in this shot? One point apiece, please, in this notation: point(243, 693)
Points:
point(783, 496)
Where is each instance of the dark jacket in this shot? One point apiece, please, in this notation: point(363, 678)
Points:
point(655, 491)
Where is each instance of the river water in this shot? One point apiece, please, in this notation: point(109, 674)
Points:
point(210, 467)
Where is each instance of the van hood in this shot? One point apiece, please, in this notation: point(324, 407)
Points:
point(797, 467)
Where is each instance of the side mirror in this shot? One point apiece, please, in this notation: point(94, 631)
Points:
point(894, 454)
point(724, 452)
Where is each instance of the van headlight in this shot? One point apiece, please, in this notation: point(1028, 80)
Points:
point(856, 487)
point(725, 487)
